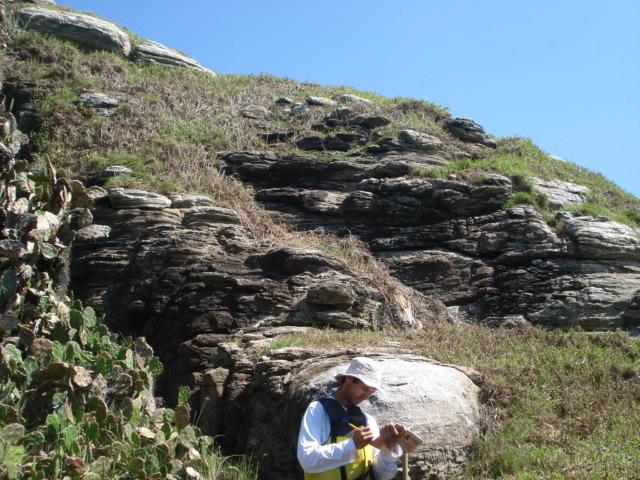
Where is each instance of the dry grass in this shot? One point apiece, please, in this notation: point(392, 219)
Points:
point(168, 128)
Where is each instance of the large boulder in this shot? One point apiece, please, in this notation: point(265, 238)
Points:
point(148, 52)
point(87, 31)
point(437, 402)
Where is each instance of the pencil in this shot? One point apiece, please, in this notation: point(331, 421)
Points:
point(354, 427)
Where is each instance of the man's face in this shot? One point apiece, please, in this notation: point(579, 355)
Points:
point(357, 392)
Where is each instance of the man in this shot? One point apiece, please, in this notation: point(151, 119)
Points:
point(330, 448)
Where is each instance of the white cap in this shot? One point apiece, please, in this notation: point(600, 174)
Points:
point(364, 369)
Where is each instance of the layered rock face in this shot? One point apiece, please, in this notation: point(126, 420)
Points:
point(173, 273)
point(210, 298)
point(451, 237)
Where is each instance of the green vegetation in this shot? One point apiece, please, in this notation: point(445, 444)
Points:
point(79, 404)
point(562, 405)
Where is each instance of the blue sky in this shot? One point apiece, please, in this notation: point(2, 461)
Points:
point(565, 73)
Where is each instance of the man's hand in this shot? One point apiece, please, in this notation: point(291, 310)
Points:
point(389, 435)
point(362, 437)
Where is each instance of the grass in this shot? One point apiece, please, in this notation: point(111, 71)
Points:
point(170, 125)
point(175, 121)
point(555, 404)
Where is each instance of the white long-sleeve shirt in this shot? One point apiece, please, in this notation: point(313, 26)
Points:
point(315, 457)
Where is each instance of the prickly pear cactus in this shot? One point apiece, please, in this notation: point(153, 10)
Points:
point(76, 401)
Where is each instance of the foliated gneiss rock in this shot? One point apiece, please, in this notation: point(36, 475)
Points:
point(177, 274)
point(320, 101)
point(350, 98)
point(98, 100)
point(85, 30)
point(560, 193)
point(598, 237)
point(153, 52)
point(467, 130)
point(420, 141)
point(132, 198)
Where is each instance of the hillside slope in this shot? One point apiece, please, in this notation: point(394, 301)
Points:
point(438, 217)
point(277, 213)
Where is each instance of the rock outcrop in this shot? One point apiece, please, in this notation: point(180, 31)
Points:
point(173, 269)
point(93, 33)
point(560, 193)
point(210, 298)
point(452, 237)
point(469, 131)
point(149, 51)
point(90, 32)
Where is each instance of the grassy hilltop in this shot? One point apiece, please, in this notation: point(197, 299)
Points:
point(555, 404)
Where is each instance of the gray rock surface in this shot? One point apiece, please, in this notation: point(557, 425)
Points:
point(438, 403)
point(93, 233)
point(330, 142)
point(101, 102)
point(180, 200)
point(469, 131)
point(420, 200)
point(371, 121)
point(598, 237)
point(568, 292)
point(299, 108)
point(148, 52)
point(174, 275)
point(350, 98)
point(256, 112)
point(85, 30)
point(453, 277)
point(207, 214)
point(112, 171)
point(419, 140)
point(132, 198)
point(284, 101)
point(560, 193)
point(452, 238)
point(320, 101)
